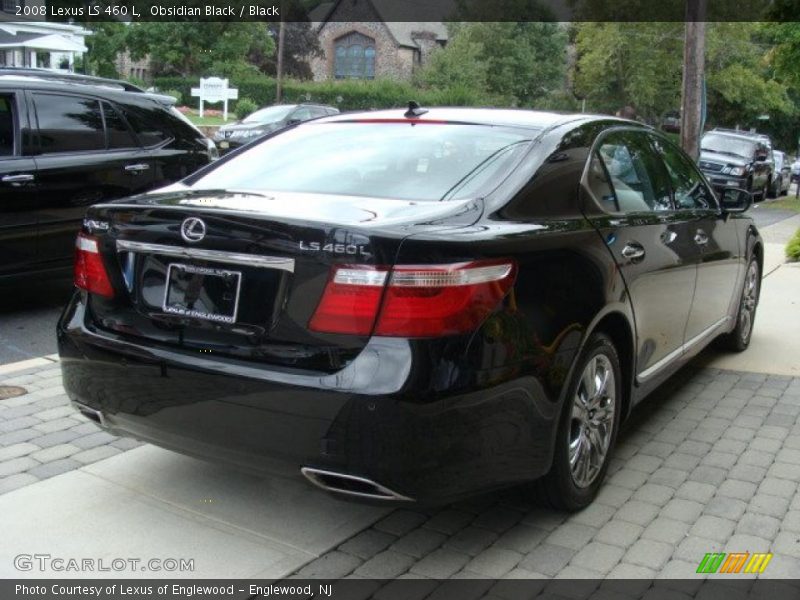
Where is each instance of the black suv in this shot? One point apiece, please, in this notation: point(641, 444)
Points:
point(732, 158)
point(266, 120)
point(68, 141)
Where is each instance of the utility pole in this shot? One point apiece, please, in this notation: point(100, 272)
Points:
point(279, 67)
point(694, 61)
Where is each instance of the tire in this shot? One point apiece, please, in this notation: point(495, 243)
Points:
point(762, 195)
point(569, 487)
point(739, 339)
point(772, 192)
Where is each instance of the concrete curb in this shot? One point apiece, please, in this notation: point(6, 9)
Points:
point(30, 363)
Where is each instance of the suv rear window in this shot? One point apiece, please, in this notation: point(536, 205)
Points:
point(400, 160)
point(69, 123)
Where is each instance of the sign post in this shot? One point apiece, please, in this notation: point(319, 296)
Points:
point(213, 90)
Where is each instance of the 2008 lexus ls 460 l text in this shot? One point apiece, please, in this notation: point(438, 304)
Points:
point(410, 305)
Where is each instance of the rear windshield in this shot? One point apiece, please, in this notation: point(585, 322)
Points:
point(425, 162)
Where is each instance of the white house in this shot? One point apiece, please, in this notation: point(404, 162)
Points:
point(34, 42)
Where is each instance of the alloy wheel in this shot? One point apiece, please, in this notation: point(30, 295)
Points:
point(749, 299)
point(592, 420)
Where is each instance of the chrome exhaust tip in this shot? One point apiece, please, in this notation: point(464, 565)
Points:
point(351, 485)
point(90, 413)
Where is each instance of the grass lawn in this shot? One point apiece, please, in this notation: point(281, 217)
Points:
point(783, 203)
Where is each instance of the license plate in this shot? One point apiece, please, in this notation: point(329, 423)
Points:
point(202, 292)
point(224, 145)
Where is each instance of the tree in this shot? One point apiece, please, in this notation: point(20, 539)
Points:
point(521, 62)
point(623, 64)
point(300, 44)
point(108, 40)
point(196, 49)
point(640, 64)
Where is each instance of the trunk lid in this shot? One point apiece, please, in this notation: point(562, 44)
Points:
point(248, 288)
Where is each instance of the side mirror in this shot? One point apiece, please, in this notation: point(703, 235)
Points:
point(735, 200)
point(761, 157)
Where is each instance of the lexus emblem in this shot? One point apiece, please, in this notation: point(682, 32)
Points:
point(193, 229)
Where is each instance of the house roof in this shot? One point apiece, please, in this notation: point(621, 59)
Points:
point(38, 41)
point(402, 31)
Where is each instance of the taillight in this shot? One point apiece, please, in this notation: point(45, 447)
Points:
point(90, 272)
point(419, 301)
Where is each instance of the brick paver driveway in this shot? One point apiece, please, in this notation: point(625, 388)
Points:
point(711, 463)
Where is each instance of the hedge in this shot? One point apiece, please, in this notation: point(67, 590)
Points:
point(345, 95)
point(793, 248)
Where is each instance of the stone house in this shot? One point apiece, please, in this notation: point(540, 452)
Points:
point(358, 42)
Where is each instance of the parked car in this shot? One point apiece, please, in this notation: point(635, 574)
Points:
point(671, 122)
point(267, 120)
point(68, 141)
point(783, 174)
point(737, 159)
point(410, 306)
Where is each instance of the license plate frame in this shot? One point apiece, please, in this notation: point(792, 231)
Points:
point(171, 309)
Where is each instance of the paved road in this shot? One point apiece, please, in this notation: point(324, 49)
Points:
point(28, 315)
point(710, 463)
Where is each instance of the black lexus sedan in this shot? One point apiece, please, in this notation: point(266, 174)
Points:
point(410, 306)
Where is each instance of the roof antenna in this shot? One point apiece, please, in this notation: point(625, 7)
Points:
point(414, 110)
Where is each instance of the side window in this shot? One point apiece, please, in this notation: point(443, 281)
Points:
point(69, 123)
point(317, 111)
point(148, 126)
point(118, 134)
point(7, 125)
point(301, 114)
point(637, 178)
point(687, 184)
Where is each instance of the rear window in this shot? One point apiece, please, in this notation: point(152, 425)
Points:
point(425, 162)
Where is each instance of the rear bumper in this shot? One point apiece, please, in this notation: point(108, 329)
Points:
point(365, 421)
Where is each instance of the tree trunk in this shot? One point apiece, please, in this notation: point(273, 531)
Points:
point(693, 73)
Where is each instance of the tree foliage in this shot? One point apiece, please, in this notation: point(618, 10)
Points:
point(108, 39)
point(192, 49)
point(640, 64)
point(520, 62)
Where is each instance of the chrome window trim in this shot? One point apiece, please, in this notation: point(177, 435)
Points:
point(249, 260)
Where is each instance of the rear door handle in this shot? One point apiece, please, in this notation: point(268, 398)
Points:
point(21, 178)
point(137, 167)
point(700, 238)
point(633, 251)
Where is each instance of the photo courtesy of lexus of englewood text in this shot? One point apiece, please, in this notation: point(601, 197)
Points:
point(393, 299)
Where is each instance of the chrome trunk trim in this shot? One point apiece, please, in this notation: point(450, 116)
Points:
point(249, 260)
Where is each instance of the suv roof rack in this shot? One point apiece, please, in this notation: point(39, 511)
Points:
point(70, 78)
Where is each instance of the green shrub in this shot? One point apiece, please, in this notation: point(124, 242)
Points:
point(245, 107)
point(175, 94)
point(793, 248)
point(346, 95)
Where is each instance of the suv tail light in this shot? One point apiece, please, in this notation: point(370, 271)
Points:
point(418, 301)
point(90, 273)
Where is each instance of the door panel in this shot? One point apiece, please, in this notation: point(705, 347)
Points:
point(18, 221)
point(650, 242)
point(718, 256)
